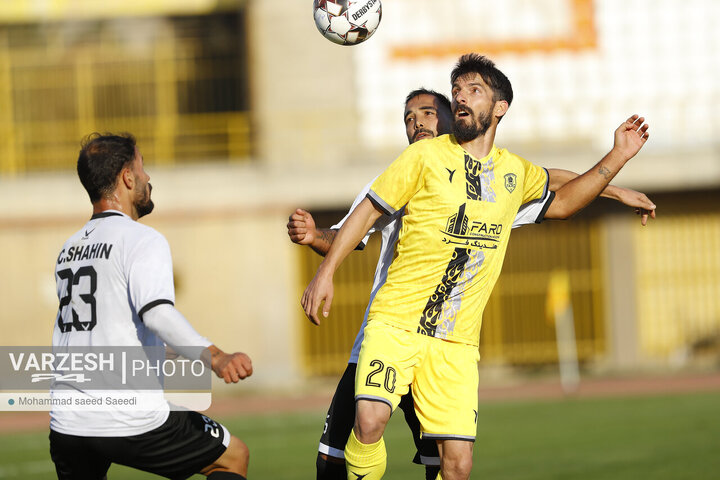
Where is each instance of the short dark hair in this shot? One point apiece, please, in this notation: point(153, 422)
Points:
point(102, 158)
point(442, 99)
point(483, 66)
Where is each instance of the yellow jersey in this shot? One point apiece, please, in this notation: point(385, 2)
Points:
point(459, 211)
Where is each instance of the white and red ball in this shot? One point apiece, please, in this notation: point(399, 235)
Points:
point(347, 22)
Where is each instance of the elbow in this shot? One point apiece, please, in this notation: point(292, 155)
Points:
point(565, 214)
point(559, 211)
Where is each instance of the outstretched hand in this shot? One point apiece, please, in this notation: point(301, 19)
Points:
point(643, 205)
point(644, 214)
point(631, 136)
point(301, 227)
point(231, 367)
point(318, 291)
point(629, 139)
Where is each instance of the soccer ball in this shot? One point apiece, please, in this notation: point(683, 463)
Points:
point(347, 22)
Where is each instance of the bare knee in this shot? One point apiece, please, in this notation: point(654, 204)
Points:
point(240, 456)
point(457, 467)
point(369, 429)
point(370, 420)
point(455, 459)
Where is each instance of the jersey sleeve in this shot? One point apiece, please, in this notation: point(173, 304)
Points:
point(536, 182)
point(379, 224)
point(534, 210)
point(400, 182)
point(150, 274)
point(360, 197)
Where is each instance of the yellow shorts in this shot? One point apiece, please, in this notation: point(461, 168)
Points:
point(443, 376)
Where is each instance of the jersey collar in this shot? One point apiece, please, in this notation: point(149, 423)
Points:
point(107, 213)
point(456, 144)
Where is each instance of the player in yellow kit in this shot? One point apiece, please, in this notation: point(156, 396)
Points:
point(460, 193)
point(459, 213)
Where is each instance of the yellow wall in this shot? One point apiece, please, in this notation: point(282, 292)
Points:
point(678, 284)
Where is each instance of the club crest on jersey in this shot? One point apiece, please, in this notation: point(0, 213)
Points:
point(510, 182)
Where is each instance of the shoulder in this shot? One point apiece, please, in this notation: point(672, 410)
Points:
point(429, 148)
point(136, 234)
point(507, 154)
point(441, 143)
point(417, 148)
point(517, 162)
point(148, 233)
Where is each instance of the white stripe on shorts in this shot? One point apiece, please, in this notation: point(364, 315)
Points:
point(442, 436)
point(333, 452)
point(226, 436)
point(374, 398)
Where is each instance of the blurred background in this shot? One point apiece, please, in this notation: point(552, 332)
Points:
point(244, 112)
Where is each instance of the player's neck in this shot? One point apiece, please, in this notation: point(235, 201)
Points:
point(480, 146)
point(114, 203)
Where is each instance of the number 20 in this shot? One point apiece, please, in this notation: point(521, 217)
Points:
point(390, 376)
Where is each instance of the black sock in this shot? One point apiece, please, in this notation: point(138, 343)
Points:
point(431, 472)
point(225, 476)
point(330, 470)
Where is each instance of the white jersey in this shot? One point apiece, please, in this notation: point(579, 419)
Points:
point(108, 275)
point(532, 212)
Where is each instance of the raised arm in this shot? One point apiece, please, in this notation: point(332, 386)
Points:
point(577, 193)
point(302, 230)
point(639, 201)
point(353, 230)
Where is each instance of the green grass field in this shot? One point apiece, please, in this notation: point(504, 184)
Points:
point(661, 437)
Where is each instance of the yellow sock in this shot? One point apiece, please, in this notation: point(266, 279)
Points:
point(365, 462)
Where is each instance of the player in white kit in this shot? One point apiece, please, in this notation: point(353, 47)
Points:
point(115, 286)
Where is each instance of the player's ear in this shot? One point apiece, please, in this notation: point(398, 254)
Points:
point(501, 108)
point(128, 178)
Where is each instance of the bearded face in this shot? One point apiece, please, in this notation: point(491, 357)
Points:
point(467, 125)
point(143, 203)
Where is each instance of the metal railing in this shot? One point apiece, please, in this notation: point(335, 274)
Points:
point(170, 85)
